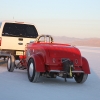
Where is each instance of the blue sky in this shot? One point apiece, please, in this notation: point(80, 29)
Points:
point(71, 18)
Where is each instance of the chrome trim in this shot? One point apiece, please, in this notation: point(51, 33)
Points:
point(55, 71)
point(77, 71)
point(63, 71)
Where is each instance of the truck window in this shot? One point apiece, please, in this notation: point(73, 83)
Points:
point(19, 30)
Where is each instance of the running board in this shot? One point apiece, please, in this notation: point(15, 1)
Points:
point(77, 71)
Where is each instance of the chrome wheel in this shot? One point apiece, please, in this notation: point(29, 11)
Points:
point(31, 69)
point(80, 78)
point(11, 63)
point(84, 78)
point(33, 75)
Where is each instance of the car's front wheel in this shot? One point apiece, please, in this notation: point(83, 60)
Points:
point(33, 75)
point(11, 63)
point(80, 78)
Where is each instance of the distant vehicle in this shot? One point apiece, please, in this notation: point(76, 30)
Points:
point(46, 58)
point(13, 37)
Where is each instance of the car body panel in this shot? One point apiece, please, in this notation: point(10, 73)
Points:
point(85, 65)
point(16, 45)
point(48, 56)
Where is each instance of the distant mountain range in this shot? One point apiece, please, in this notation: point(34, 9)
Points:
point(94, 42)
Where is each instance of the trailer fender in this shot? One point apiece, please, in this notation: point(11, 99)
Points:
point(85, 66)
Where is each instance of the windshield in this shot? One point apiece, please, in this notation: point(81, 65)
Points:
point(0, 24)
point(19, 30)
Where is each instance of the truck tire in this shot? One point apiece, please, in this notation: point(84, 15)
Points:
point(11, 63)
point(80, 78)
point(33, 75)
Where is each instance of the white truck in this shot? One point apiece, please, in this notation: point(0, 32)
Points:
point(14, 36)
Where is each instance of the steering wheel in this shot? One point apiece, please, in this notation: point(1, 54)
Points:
point(45, 38)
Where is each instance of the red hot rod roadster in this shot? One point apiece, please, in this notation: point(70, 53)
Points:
point(46, 58)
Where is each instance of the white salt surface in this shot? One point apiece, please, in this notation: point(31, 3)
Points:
point(16, 86)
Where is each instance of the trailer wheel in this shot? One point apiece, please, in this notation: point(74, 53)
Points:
point(33, 75)
point(11, 63)
point(80, 78)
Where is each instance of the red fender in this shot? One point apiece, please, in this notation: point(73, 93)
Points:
point(85, 65)
point(39, 63)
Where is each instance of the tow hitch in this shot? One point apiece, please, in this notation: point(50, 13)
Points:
point(67, 68)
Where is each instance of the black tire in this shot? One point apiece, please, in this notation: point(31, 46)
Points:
point(33, 75)
point(80, 78)
point(11, 63)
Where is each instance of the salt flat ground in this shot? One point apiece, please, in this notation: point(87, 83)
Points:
point(16, 86)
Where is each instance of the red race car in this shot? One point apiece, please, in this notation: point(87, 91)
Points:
point(46, 58)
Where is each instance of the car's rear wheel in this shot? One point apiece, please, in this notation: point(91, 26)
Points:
point(33, 75)
point(81, 77)
point(11, 63)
